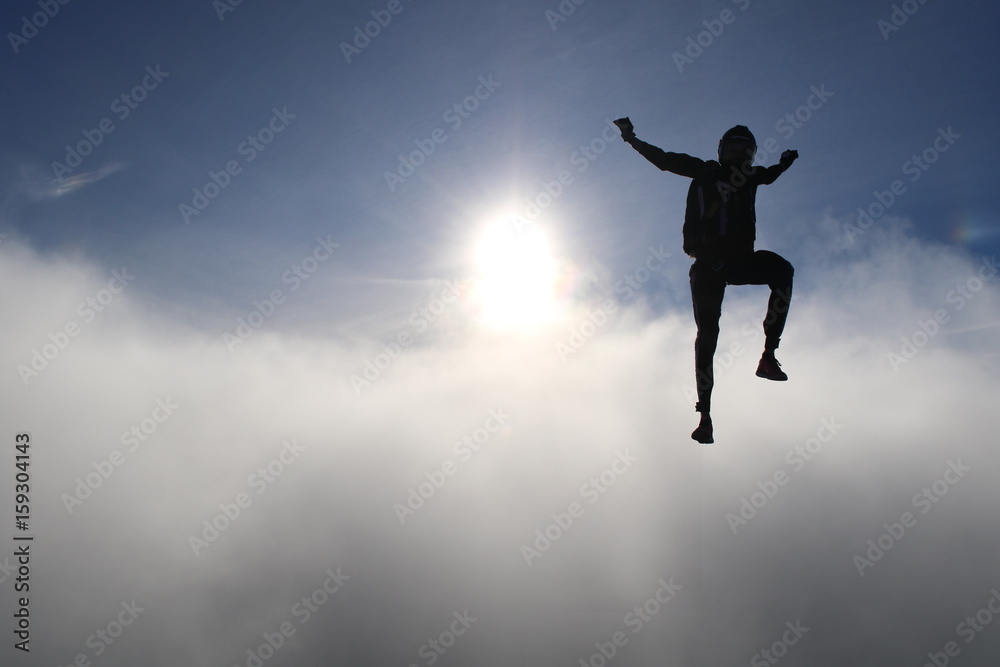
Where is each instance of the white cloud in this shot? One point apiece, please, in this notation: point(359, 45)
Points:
point(332, 503)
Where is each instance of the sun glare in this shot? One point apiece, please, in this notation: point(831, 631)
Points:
point(516, 276)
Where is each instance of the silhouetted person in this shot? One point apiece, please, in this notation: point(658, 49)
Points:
point(719, 232)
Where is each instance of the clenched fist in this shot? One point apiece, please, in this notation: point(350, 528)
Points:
point(788, 157)
point(625, 125)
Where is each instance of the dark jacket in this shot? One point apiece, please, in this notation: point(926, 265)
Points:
point(720, 221)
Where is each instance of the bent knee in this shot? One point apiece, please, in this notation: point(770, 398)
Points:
point(783, 270)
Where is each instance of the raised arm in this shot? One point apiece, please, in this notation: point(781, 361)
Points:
point(770, 174)
point(677, 163)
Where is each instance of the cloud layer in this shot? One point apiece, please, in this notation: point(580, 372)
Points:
point(489, 500)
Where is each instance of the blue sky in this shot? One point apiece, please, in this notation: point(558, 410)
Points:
point(325, 174)
point(251, 180)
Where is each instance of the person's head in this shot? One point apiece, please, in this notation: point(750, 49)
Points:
point(737, 146)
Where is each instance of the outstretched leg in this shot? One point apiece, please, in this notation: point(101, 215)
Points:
point(708, 287)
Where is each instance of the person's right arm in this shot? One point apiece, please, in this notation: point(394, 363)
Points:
point(677, 163)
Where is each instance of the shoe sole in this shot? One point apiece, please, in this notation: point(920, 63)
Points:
point(703, 441)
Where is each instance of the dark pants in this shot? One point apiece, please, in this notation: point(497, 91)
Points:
point(709, 278)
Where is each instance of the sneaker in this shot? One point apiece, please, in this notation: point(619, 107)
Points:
point(703, 433)
point(769, 368)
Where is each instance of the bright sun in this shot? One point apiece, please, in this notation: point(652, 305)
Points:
point(516, 276)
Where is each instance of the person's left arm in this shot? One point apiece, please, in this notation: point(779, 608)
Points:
point(770, 174)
